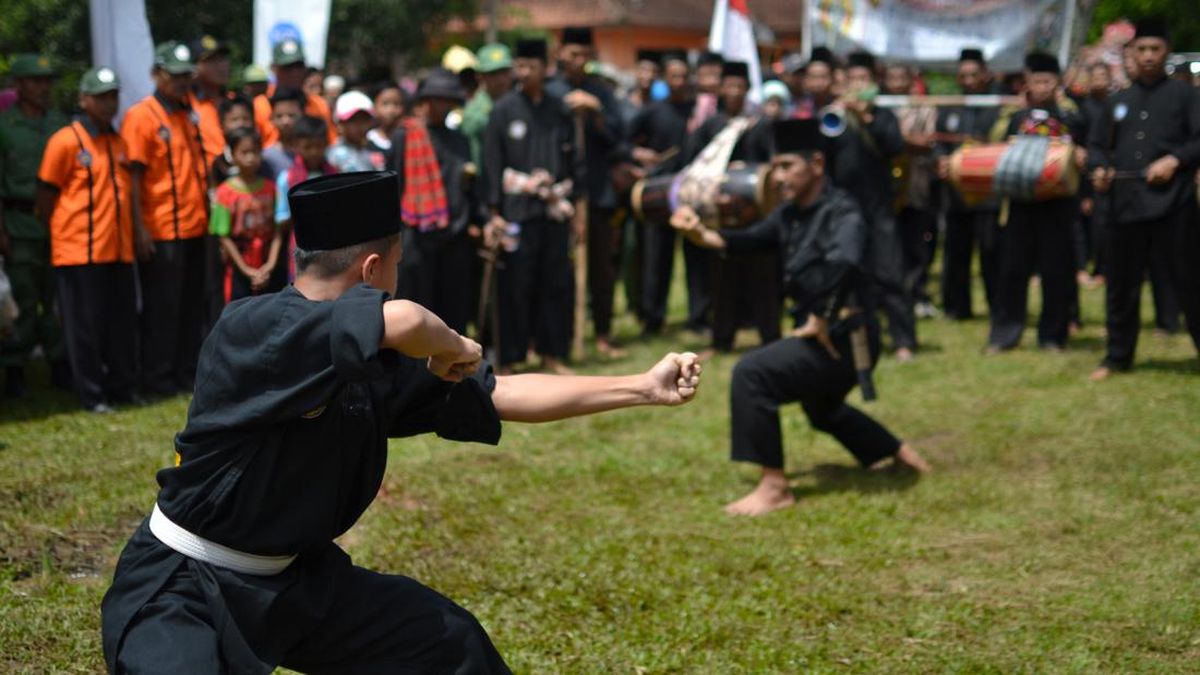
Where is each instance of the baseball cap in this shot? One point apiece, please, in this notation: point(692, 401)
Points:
point(31, 65)
point(494, 57)
point(99, 80)
point(287, 52)
point(458, 58)
point(255, 74)
point(174, 57)
point(207, 46)
point(351, 103)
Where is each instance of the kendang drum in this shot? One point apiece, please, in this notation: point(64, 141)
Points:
point(737, 198)
point(1028, 169)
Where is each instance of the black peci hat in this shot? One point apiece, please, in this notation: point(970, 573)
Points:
point(708, 58)
point(441, 83)
point(1153, 27)
point(823, 54)
point(971, 54)
point(861, 59)
point(796, 136)
point(669, 55)
point(577, 35)
point(345, 209)
point(1041, 62)
point(530, 49)
point(736, 69)
point(652, 55)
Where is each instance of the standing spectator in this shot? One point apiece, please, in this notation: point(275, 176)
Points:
point(309, 140)
point(209, 89)
point(235, 113)
point(495, 71)
point(24, 240)
point(390, 108)
point(353, 151)
point(287, 62)
point(243, 218)
point(170, 220)
point(287, 107)
point(255, 81)
point(85, 200)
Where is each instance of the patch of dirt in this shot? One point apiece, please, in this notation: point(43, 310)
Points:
point(76, 552)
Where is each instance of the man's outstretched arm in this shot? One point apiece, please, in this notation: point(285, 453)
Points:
point(415, 331)
point(545, 398)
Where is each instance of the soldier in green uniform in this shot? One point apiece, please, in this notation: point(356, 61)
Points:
point(24, 240)
point(495, 73)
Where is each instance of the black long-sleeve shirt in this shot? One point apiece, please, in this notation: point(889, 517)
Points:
point(862, 161)
point(754, 146)
point(601, 137)
point(1142, 124)
point(662, 126)
point(525, 136)
point(822, 247)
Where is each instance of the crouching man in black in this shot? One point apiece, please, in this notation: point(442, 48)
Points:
point(821, 235)
point(286, 445)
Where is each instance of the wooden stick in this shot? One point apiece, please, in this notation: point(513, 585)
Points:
point(580, 226)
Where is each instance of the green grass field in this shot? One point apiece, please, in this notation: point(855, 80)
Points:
point(1059, 532)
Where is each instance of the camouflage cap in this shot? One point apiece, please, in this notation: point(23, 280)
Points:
point(31, 65)
point(255, 74)
point(174, 57)
point(287, 52)
point(99, 80)
point(493, 57)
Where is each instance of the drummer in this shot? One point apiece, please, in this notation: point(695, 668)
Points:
point(1038, 235)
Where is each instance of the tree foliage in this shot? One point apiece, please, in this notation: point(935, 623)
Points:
point(1181, 15)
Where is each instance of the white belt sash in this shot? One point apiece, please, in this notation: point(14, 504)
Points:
point(199, 548)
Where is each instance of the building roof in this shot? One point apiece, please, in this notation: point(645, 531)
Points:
point(781, 16)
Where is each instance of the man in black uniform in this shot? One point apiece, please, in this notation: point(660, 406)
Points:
point(587, 97)
point(438, 258)
point(1038, 235)
point(966, 224)
point(528, 163)
point(821, 234)
point(862, 166)
point(286, 446)
point(747, 285)
point(659, 133)
point(1152, 137)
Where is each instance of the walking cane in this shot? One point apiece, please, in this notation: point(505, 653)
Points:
point(580, 226)
point(489, 309)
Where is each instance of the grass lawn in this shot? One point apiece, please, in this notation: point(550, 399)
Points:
point(1060, 531)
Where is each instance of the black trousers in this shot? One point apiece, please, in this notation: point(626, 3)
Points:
point(658, 263)
point(918, 235)
point(965, 229)
point(1038, 237)
point(1162, 286)
point(748, 285)
point(536, 293)
point(173, 311)
point(886, 253)
point(214, 282)
point(437, 274)
point(1131, 251)
point(791, 370)
point(603, 247)
point(99, 316)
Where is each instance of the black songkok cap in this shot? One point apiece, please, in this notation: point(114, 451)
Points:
point(651, 55)
point(971, 54)
point(1041, 62)
point(530, 49)
point(441, 83)
point(796, 136)
point(708, 58)
point(736, 69)
point(674, 55)
point(1152, 26)
point(861, 59)
point(577, 35)
point(822, 54)
point(345, 209)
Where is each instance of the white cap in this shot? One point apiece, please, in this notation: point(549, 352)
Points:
point(351, 103)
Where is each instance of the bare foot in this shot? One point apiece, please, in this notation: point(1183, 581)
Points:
point(608, 350)
point(771, 494)
point(1100, 374)
point(907, 458)
point(904, 355)
point(556, 366)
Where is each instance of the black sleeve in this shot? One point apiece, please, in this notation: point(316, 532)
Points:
point(1100, 139)
point(763, 235)
point(823, 288)
point(421, 403)
point(493, 158)
point(885, 129)
point(1189, 153)
point(395, 156)
point(609, 131)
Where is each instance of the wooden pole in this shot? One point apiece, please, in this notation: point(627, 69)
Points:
point(580, 227)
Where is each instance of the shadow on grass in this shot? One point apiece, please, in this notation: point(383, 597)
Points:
point(835, 478)
point(1190, 366)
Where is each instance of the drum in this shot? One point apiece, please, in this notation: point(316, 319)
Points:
point(741, 196)
point(1028, 169)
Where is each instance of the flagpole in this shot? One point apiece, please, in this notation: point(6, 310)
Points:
point(1064, 48)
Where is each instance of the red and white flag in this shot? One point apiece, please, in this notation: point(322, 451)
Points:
point(732, 36)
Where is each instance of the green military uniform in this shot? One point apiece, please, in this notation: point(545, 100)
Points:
point(22, 141)
point(492, 57)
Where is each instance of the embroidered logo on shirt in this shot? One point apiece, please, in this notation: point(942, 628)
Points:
point(85, 158)
point(314, 413)
point(1120, 111)
point(952, 122)
point(517, 130)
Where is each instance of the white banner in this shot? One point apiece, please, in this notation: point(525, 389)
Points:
point(303, 20)
point(732, 36)
point(121, 40)
point(933, 32)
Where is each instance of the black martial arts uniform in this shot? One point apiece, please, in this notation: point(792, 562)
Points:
point(1145, 122)
point(602, 135)
point(1039, 236)
point(744, 286)
point(284, 448)
point(437, 264)
point(536, 283)
point(862, 165)
point(662, 126)
point(823, 248)
point(967, 226)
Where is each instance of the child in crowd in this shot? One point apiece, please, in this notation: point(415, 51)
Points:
point(243, 217)
point(287, 107)
point(235, 113)
point(309, 141)
point(391, 105)
point(355, 114)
